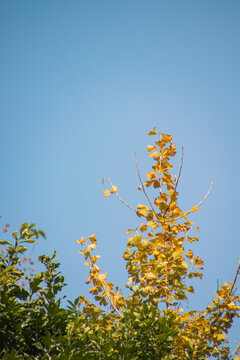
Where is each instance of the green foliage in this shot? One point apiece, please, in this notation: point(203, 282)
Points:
point(29, 315)
point(149, 323)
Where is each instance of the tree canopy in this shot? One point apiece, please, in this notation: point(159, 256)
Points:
point(146, 321)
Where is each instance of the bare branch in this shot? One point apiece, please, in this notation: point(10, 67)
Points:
point(236, 276)
point(234, 351)
point(160, 177)
point(129, 206)
point(205, 195)
point(143, 185)
point(175, 188)
point(180, 170)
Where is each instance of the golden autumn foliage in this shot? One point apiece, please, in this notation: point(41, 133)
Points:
point(161, 267)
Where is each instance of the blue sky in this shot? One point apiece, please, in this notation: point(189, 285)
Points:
point(82, 83)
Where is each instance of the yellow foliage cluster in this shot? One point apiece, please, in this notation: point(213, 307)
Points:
point(161, 265)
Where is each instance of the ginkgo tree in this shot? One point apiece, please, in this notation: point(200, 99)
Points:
point(146, 321)
point(161, 268)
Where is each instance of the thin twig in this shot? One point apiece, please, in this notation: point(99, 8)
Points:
point(143, 185)
point(185, 237)
point(188, 212)
point(160, 176)
point(234, 283)
point(205, 195)
point(236, 276)
point(236, 348)
point(180, 170)
point(114, 307)
point(175, 188)
point(129, 206)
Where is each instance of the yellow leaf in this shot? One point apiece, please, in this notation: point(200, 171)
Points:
point(151, 175)
point(102, 277)
point(96, 268)
point(152, 224)
point(155, 154)
point(189, 254)
point(186, 338)
point(94, 258)
point(177, 252)
point(90, 247)
point(150, 276)
point(106, 192)
point(92, 238)
point(130, 230)
point(176, 212)
point(142, 210)
point(148, 183)
point(152, 132)
point(81, 241)
point(194, 208)
point(144, 207)
point(144, 242)
point(114, 189)
point(171, 192)
point(221, 336)
point(134, 288)
point(143, 227)
point(151, 148)
point(167, 138)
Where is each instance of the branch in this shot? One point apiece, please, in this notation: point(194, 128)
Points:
point(236, 276)
point(234, 283)
point(160, 176)
point(112, 303)
point(188, 212)
point(185, 237)
point(206, 195)
point(236, 348)
point(143, 186)
point(129, 206)
point(180, 170)
point(175, 188)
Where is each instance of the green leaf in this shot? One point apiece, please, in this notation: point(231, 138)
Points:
point(4, 242)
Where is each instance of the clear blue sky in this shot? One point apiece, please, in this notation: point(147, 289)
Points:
point(82, 82)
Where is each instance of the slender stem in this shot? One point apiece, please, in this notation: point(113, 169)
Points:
point(129, 206)
point(236, 348)
point(180, 170)
point(175, 188)
point(114, 307)
point(205, 195)
point(200, 203)
point(236, 276)
point(160, 176)
point(143, 186)
point(234, 283)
